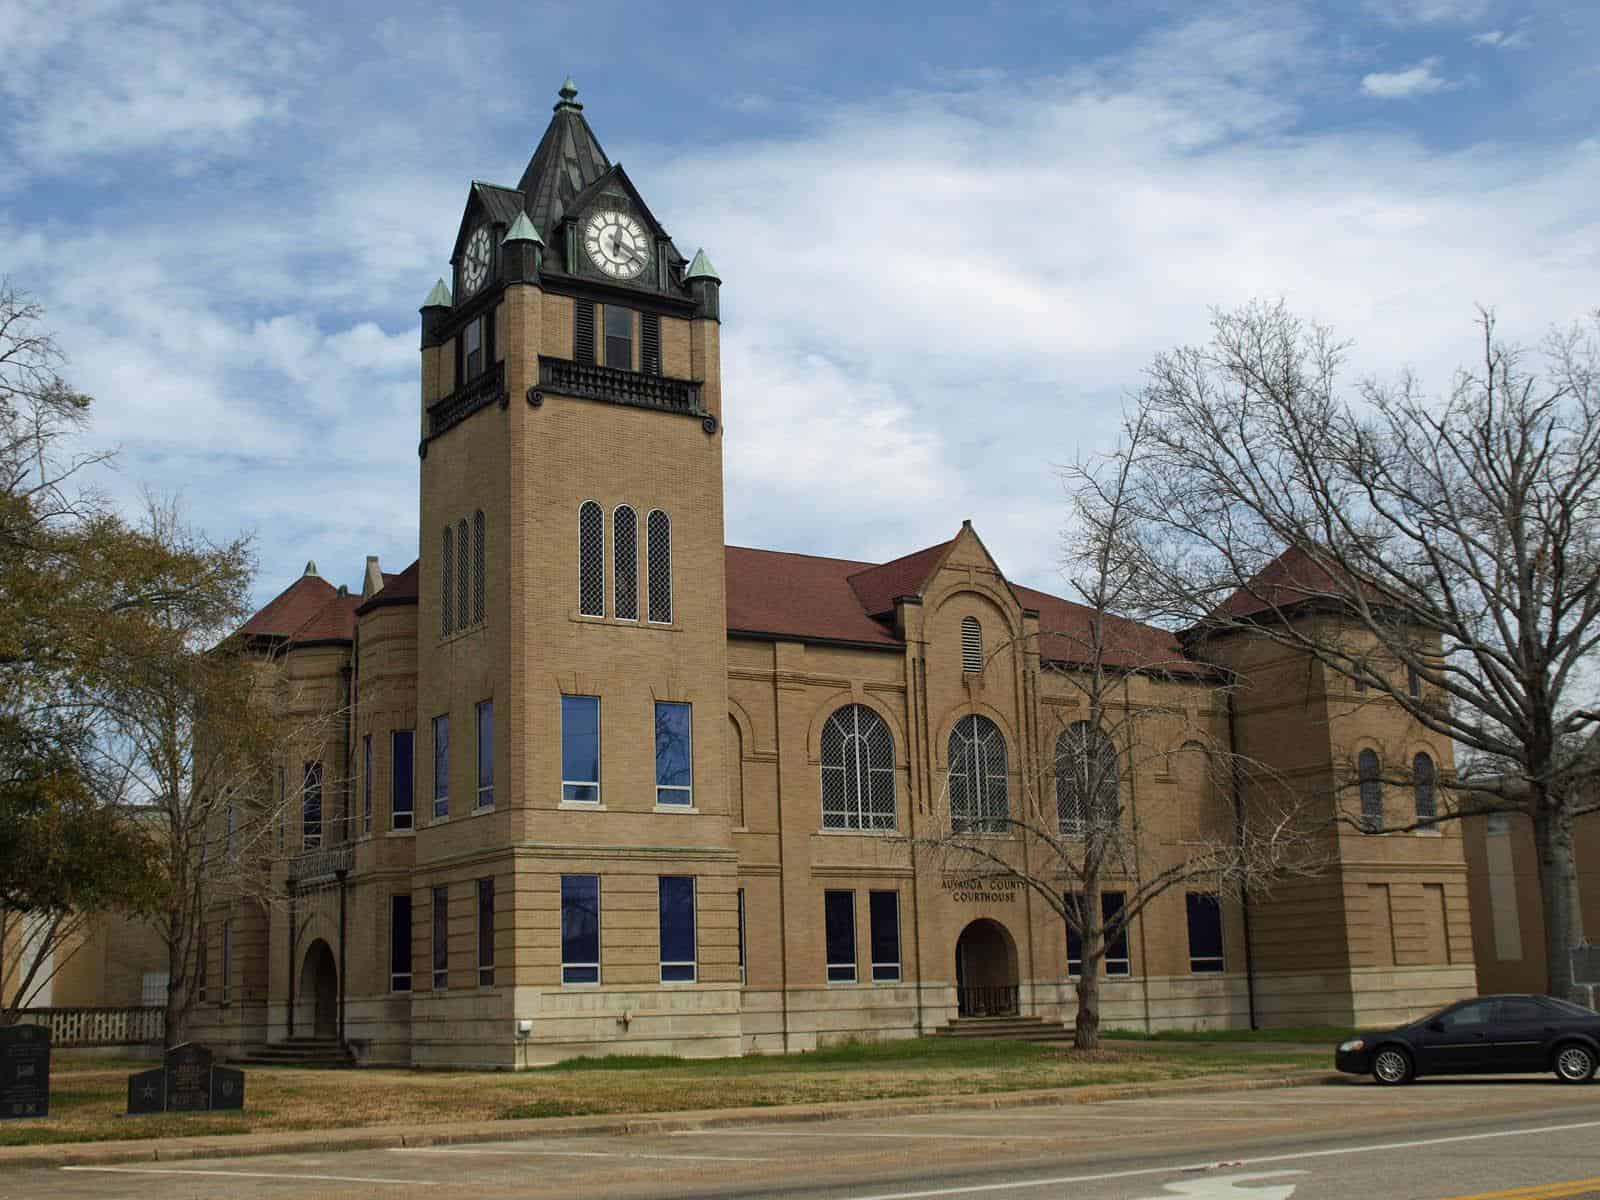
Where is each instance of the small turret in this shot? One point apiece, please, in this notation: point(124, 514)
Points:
point(522, 251)
point(434, 311)
point(704, 285)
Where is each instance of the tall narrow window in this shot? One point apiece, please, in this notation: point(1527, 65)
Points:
point(650, 343)
point(1205, 933)
point(583, 331)
point(591, 560)
point(971, 644)
point(1422, 776)
point(1086, 766)
point(485, 754)
point(1413, 683)
point(658, 536)
point(619, 337)
point(227, 962)
point(402, 773)
point(580, 749)
point(447, 566)
point(1118, 961)
point(741, 936)
point(625, 564)
point(311, 807)
point(472, 349)
point(202, 959)
point(675, 912)
point(979, 800)
point(400, 943)
point(839, 929)
point(580, 929)
point(441, 938)
point(1077, 905)
point(674, 755)
point(1369, 771)
point(441, 767)
point(366, 783)
point(463, 578)
point(857, 770)
point(486, 933)
point(478, 552)
point(883, 909)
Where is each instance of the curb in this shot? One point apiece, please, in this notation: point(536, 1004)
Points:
point(180, 1149)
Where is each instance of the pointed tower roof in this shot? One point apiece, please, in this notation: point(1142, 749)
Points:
point(701, 268)
point(439, 297)
point(567, 160)
point(522, 230)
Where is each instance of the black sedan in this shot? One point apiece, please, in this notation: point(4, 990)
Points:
point(1487, 1036)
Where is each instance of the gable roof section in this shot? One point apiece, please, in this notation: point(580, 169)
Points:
point(335, 621)
point(877, 588)
point(290, 608)
point(400, 588)
point(1291, 579)
point(799, 596)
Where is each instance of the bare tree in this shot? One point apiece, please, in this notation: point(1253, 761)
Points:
point(1069, 834)
point(1455, 542)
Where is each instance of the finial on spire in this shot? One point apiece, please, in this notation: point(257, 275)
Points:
point(311, 567)
point(569, 96)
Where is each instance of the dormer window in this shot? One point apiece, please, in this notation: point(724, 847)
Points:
point(619, 337)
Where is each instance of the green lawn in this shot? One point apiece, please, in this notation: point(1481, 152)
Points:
point(1330, 1035)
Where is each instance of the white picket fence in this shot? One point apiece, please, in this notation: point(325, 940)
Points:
point(108, 1026)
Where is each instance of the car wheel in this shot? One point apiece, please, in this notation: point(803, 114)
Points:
point(1391, 1065)
point(1574, 1063)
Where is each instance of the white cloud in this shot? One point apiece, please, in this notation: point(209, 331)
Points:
point(1500, 39)
point(1406, 13)
point(1420, 80)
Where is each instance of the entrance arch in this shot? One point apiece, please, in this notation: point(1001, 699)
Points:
point(319, 989)
point(986, 970)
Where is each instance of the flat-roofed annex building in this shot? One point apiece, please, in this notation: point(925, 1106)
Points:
point(610, 785)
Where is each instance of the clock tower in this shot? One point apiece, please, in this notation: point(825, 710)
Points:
point(572, 634)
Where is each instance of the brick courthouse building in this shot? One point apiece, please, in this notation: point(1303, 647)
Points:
point(610, 785)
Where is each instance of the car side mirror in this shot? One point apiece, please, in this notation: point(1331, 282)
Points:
point(1436, 1026)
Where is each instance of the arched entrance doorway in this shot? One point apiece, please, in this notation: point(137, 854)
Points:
point(986, 970)
point(319, 990)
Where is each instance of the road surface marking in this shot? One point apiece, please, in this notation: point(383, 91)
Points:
point(831, 1134)
point(256, 1175)
point(1539, 1191)
point(1299, 1156)
point(577, 1154)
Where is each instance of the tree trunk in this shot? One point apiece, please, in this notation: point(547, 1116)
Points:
point(175, 1025)
point(1086, 1026)
point(1558, 885)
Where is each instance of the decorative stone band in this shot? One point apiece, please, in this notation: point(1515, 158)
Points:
point(588, 381)
point(486, 389)
point(317, 866)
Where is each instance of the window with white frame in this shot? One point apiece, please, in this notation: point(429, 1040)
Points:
point(658, 544)
point(1205, 932)
point(486, 933)
point(741, 936)
point(441, 938)
point(625, 563)
point(485, 715)
point(591, 559)
point(400, 943)
point(839, 930)
point(580, 929)
point(580, 749)
point(441, 766)
point(402, 778)
point(979, 801)
point(311, 807)
point(366, 783)
point(1422, 781)
point(857, 770)
point(883, 912)
point(971, 644)
point(1118, 960)
point(1077, 906)
point(1086, 766)
point(675, 920)
point(674, 755)
point(227, 962)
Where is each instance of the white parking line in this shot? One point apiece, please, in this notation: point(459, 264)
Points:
point(575, 1154)
point(832, 1134)
point(296, 1176)
point(1183, 1168)
point(1066, 1116)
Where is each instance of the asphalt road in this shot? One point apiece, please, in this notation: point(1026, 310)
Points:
point(1522, 1139)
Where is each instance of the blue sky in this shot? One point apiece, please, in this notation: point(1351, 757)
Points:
point(951, 236)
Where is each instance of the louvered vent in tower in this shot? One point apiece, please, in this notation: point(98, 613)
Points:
point(650, 343)
point(971, 644)
point(583, 331)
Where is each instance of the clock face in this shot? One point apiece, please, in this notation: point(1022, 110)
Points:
point(475, 262)
point(616, 244)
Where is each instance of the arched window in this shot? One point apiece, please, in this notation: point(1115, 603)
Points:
point(1368, 771)
point(447, 562)
point(1422, 782)
point(857, 770)
point(735, 772)
point(463, 580)
point(625, 565)
point(591, 560)
point(1086, 766)
point(978, 799)
point(971, 644)
point(477, 566)
point(658, 536)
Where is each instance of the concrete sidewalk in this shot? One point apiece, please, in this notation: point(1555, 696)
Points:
point(383, 1137)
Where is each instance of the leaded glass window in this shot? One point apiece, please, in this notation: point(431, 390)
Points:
point(1086, 766)
point(591, 560)
point(447, 562)
point(1368, 771)
point(478, 552)
point(979, 801)
point(971, 644)
point(658, 536)
point(625, 569)
point(857, 770)
point(1422, 775)
point(463, 580)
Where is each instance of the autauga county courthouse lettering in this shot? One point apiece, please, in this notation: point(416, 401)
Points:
point(982, 889)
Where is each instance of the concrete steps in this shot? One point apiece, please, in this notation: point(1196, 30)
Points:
point(1016, 1029)
point(298, 1052)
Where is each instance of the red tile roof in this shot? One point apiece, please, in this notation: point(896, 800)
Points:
point(290, 608)
point(399, 588)
point(879, 587)
point(799, 596)
point(335, 621)
point(1065, 636)
point(1292, 578)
